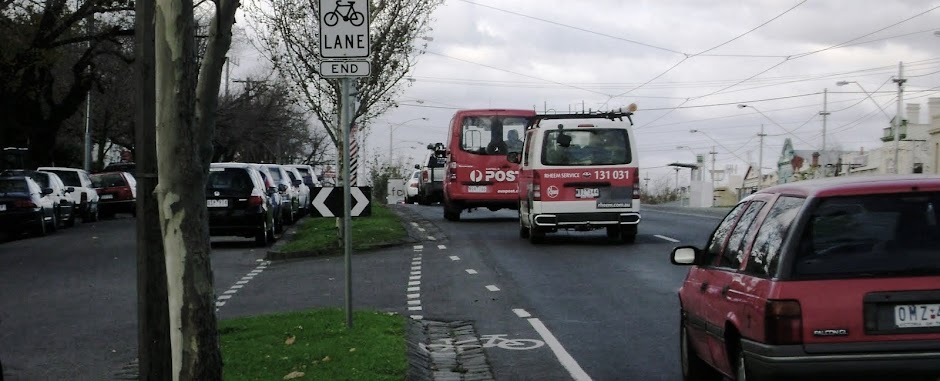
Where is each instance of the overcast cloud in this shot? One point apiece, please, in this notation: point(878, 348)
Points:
point(562, 54)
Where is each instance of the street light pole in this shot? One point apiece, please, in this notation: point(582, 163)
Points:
point(897, 118)
point(760, 158)
point(391, 133)
point(824, 114)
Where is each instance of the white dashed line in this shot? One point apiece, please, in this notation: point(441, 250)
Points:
point(471, 271)
point(219, 304)
point(414, 308)
point(417, 317)
point(560, 353)
point(414, 283)
point(224, 297)
point(221, 299)
point(419, 247)
point(441, 247)
point(241, 282)
point(231, 291)
point(665, 238)
point(414, 223)
point(454, 258)
point(237, 286)
point(413, 289)
point(492, 288)
point(413, 296)
point(521, 313)
point(414, 302)
point(414, 277)
point(431, 238)
point(421, 229)
point(415, 268)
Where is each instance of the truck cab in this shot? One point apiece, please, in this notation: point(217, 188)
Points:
point(431, 178)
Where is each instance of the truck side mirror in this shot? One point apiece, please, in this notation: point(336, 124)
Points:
point(514, 157)
point(417, 166)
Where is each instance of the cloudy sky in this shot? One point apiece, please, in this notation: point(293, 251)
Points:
point(686, 64)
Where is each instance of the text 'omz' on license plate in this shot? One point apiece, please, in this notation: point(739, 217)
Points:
point(917, 315)
point(587, 193)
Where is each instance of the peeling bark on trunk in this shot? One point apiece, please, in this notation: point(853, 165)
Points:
point(187, 96)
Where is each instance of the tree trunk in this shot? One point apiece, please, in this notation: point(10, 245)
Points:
point(186, 103)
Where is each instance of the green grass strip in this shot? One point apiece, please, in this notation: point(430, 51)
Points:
point(319, 233)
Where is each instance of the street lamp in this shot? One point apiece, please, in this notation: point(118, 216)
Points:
point(760, 155)
point(391, 133)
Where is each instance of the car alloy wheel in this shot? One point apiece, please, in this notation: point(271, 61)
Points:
point(261, 237)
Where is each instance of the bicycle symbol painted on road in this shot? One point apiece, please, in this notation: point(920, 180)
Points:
point(485, 341)
point(351, 15)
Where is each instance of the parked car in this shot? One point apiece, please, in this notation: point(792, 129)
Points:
point(23, 206)
point(129, 167)
point(84, 198)
point(309, 175)
point(431, 180)
point(822, 278)
point(62, 203)
point(275, 197)
point(117, 193)
point(290, 197)
point(239, 203)
point(411, 187)
point(303, 191)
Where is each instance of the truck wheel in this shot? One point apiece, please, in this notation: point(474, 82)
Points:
point(523, 231)
point(628, 233)
point(536, 235)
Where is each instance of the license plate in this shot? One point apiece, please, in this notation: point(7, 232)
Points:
point(476, 188)
point(917, 315)
point(217, 203)
point(3, 207)
point(107, 196)
point(587, 193)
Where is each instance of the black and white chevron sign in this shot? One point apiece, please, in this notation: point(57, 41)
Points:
point(329, 202)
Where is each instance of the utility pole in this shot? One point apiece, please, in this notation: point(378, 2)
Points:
point(153, 316)
point(760, 158)
point(90, 28)
point(714, 153)
point(677, 184)
point(824, 114)
point(897, 118)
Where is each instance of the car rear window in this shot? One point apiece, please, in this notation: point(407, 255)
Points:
point(275, 173)
point(13, 186)
point(877, 235)
point(586, 146)
point(229, 181)
point(108, 180)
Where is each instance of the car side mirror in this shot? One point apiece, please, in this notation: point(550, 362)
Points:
point(46, 191)
point(514, 157)
point(417, 166)
point(282, 187)
point(684, 255)
point(69, 189)
point(298, 182)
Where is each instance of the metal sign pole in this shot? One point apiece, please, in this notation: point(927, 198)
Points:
point(347, 197)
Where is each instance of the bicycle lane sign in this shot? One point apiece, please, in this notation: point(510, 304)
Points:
point(485, 341)
point(344, 28)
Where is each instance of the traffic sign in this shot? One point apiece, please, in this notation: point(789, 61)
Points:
point(344, 28)
point(339, 69)
point(329, 202)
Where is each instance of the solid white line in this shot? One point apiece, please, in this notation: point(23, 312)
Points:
point(417, 317)
point(224, 297)
point(521, 313)
point(414, 308)
point(413, 289)
point(492, 288)
point(471, 271)
point(414, 302)
point(454, 258)
point(563, 357)
point(665, 238)
point(441, 247)
point(414, 283)
point(414, 296)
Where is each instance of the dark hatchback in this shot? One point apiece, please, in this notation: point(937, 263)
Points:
point(23, 206)
point(237, 201)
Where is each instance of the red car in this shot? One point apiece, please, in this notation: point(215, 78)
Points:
point(117, 193)
point(824, 278)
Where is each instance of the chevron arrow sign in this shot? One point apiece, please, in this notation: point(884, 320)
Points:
point(329, 202)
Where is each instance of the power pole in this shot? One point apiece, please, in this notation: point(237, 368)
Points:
point(897, 118)
point(90, 28)
point(677, 184)
point(760, 158)
point(153, 316)
point(714, 153)
point(824, 114)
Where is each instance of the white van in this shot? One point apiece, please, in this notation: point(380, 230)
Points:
point(579, 172)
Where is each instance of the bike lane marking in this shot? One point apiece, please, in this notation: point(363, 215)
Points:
point(471, 271)
point(413, 291)
point(560, 353)
point(228, 294)
point(492, 288)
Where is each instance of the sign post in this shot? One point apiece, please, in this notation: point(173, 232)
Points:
point(344, 34)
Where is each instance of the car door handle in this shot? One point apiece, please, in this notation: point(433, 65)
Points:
point(724, 290)
point(703, 287)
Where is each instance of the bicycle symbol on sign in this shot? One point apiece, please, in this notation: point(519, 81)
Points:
point(486, 341)
point(352, 15)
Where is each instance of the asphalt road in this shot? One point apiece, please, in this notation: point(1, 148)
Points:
point(577, 307)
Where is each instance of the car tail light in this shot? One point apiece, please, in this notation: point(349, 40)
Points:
point(25, 204)
point(255, 201)
point(636, 189)
point(125, 193)
point(413, 185)
point(784, 322)
point(536, 186)
point(452, 170)
point(424, 176)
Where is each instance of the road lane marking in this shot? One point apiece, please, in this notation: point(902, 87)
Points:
point(521, 313)
point(413, 296)
point(441, 247)
point(492, 288)
point(414, 283)
point(219, 304)
point(415, 268)
point(431, 238)
point(414, 302)
point(414, 277)
point(224, 297)
point(471, 271)
point(665, 238)
point(231, 291)
point(414, 223)
point(419, 247)
point(414, 289)
point(414, 308)
point(454, 258)
point(421, 229)
point(417, 317)
point(561, 354)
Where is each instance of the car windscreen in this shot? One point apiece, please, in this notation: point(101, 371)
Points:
point(108, 180)
point(876, 235)
point(492, 135)
point(69, 178)
point(229, 182)
point(586, 146)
